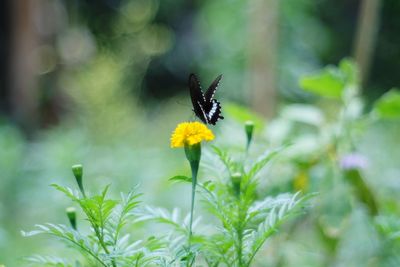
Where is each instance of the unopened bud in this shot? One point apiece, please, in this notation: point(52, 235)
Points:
point(71, 214)
point(77, 170)
point(249, 128)
point(236, 181)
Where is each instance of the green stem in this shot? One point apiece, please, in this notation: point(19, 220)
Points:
point(101, 241)
point(91, 253)
point(99, 234)
point(239, 232)
point(194, 165)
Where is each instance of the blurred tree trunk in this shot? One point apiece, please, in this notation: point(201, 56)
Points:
point(366, 33)
point(23, 87)
point(262, 53)
point(4, 55)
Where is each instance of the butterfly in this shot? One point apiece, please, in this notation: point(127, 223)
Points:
point(205, 107)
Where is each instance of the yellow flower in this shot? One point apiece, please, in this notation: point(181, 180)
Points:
point(190, 133)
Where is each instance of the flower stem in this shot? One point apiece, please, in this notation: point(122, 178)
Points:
point(194, 165)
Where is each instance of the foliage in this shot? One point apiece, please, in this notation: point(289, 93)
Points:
point(331, 81)
point(327, 156)
point(388, 106)
point(246, 222)
point(326, 148)
point(106, 244)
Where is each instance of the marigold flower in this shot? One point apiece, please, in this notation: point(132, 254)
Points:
point(190, 133)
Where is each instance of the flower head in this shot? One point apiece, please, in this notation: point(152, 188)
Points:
point(353, 161)
point(190, 133)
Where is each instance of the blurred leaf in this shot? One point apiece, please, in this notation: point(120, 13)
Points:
point(70, 236)
point(262, 162)
point(332, 81)
point(304, 113)
point(161, 215)
point(388, 225)
point(243, 114)
point(388, 106)
point(328, 83)
point(364, 194)
point(277, 211)
point(350, 71)
point(225, 158)
point(181, 178)
point(38, 260)
point(67, 191)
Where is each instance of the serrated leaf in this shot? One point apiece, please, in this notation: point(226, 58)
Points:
point(38, 260)
point(224, 157)
point(261, 163)
point(67, 191)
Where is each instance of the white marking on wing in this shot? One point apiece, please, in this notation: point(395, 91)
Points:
point(202, 110)
point(213, 110)
point(204, 98)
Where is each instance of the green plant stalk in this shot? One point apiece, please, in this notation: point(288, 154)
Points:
point(239, 232)
point(194, 165)
point(99, 236)
point(193, 155)
point(86, 250)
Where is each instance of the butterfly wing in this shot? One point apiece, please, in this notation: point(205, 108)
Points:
point(208, 96)
point(212, 107)
point(214, 114)
point(197, 97)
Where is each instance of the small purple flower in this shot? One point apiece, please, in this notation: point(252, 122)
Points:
point(353, 161)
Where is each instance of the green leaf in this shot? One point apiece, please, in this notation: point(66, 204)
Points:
point(350, 71)
point(208, 184)
point(388, 106)
point(243, 114)
point(67, 191)
point(163, 216)
point(70, 236)
point(37, 260)
point(332, 81)
point(181, 178)
point(303, 113)
point(260, 164)
point(329, 82)
point(225, 158)
point(279, 209)
point(362, 191)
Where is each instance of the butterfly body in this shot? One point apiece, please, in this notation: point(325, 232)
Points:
point(206, 108)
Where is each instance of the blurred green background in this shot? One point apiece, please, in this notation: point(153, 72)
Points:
point(103, 83)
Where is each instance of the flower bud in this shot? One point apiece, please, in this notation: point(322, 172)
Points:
point(77, 170)
point(249, 128)
point(71, 214)
point(236, 181)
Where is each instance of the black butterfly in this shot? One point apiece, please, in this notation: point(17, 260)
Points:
point(204, 106)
